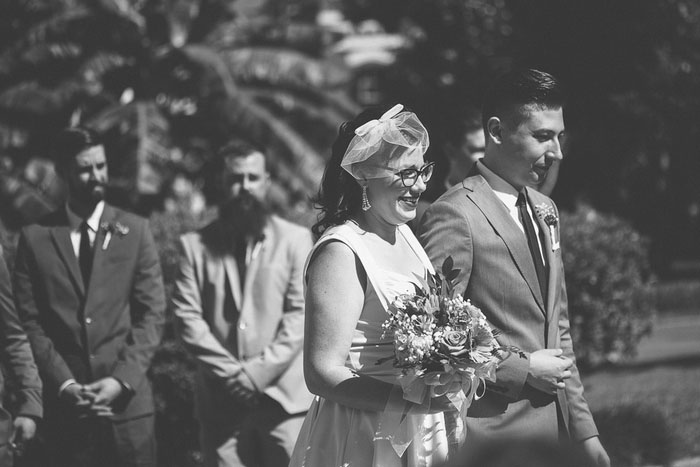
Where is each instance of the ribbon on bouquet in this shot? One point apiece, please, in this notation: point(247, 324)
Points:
point(401, 423)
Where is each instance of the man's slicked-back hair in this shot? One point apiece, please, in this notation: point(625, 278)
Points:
point(71, 142)
point(516, 91)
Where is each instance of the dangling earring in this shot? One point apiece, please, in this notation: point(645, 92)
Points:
point(365, 201)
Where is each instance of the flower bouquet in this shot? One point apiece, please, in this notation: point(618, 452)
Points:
point(443, 345)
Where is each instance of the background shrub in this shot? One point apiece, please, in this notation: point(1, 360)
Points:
point(636, 435)
point(609, 284)
point(172, 369)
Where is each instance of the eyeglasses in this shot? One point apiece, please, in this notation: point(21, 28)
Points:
point(409, 177)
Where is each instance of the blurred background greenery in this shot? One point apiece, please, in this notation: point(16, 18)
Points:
point(167, 81)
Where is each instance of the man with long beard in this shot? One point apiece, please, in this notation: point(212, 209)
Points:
point(89, 292)
point(240, 307)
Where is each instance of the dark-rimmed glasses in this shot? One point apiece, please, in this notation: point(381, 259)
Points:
point(409, 177)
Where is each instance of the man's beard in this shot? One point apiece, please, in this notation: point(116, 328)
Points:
point(243, 216)
point(90, 194)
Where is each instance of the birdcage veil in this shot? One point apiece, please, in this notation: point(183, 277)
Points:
point(377, 148)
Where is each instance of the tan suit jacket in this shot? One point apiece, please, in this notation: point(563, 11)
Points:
point(263, 334)
point(471, 224)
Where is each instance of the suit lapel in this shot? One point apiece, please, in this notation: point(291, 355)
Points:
point(498, 216)
point(60, 235)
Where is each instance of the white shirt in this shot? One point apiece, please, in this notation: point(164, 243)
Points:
point(74, 222)
point(509, 196)
point(93, 223)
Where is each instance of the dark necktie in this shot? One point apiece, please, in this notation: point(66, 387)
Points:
point(241, 252)
point(533, 244)
point(85, 253)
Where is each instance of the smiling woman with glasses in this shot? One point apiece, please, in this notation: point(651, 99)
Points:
point(365, 258)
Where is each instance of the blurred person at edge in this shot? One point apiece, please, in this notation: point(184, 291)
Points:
point(239, 304)
point(16, 434)
point(461, 158)
point(503, 236)
point(89, 292)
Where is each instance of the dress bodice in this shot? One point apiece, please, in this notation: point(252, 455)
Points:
point(369, 345)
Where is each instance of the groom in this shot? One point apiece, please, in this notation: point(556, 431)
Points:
point(504, 238)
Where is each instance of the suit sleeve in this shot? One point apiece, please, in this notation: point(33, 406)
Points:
point(147, 306)
point(17, 352)
point(193, 329)
point(52, 367)
point(444, 232)
point(288, 342)
point(581, 424)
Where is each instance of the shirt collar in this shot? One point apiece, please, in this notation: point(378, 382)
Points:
point(497, 184)
point(93, 221)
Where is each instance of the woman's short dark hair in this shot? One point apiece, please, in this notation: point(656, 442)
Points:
point(511, 94)
point(340, 195)
point(71, 142)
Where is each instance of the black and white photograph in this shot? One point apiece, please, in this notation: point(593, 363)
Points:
point(349, 233)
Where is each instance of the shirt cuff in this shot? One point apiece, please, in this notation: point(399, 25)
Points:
point(65, 384)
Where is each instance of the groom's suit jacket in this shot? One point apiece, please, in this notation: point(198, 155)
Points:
point(261, 330)
point(473, 226)
point(111, 328)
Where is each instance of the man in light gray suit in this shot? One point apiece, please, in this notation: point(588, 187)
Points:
point(504, 238)
point(239, 303)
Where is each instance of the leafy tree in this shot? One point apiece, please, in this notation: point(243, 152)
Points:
point(167, 81)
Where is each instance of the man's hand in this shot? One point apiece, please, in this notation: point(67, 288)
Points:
point(74, 396)
point(101, 394)
point(25, 429)
point(594, 452)
point(548, 370)
point(242, 388)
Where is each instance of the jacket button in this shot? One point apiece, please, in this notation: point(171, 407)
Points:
point(88, 320)
point(242, 326)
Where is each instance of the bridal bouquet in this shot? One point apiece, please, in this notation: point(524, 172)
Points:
point(444, 347)
point(442, 343)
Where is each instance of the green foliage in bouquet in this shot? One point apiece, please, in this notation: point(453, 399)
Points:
point(609, 284)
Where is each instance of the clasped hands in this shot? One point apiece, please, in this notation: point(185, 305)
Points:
point(549, 369)
point(242, 388)
point(94, 399)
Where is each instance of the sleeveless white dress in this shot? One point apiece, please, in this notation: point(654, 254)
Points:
point(334, 435)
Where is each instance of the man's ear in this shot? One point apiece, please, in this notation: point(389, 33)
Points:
point(494, 127)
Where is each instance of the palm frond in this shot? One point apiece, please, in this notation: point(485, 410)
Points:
point(283, 68)
point(140, 136)
point(39, 54)
point(244, 116)
point(125, 9)
point(33, 99)
point(55, 28)
point(100, 64)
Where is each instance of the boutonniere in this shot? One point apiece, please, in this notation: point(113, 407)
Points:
point(549, 216)
point(111, 228)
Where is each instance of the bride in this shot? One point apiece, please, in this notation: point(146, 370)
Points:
point(364, 259)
